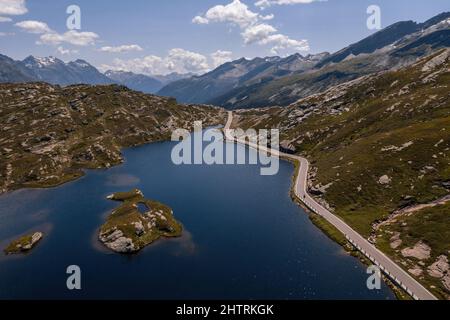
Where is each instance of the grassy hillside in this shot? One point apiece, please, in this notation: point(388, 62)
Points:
point(378, 144)
point(49, 134)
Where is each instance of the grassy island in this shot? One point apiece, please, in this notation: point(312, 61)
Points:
point(24, 244)
point(128, 230)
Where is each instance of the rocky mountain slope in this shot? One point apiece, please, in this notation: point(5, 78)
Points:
point(49, 133)
point(138, 82)
point(55, 71)
point(380, 152)
point(276, 81)
point(11, 71)
point(243, 72)
point(390, 35)
point(357, 60)
point(172, 77)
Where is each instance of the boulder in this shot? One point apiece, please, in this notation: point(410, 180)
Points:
point(287, 147)
point(116, 241)
point(440, 268)
point(416, 271)
point(396, 241)
point(446, 281)
point(35, 238)
point(446, 184)
point(420, 251)
point(139, 228)
point(384, 180)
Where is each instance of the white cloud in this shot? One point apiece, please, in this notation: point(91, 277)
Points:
point(5, 19)
point(12, 7)
point(200, 20)
point(268, 17)
point(220, 57)
point(263, 4)
point(180, 59)
point(73, 37)
point(257, 33)
point(63, 51)
point(177, 60)
point(121, 49)
point(282, 42)
point(254, 27)
point(236, 13)
point(149, 65)
point(32, 26)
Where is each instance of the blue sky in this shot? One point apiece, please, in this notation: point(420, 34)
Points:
point(157, 37)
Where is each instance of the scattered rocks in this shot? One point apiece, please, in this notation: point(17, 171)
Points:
point(397, 149)
point(440, 270)
point(127, 230)
point(24, 244)
point(58, 131)
point(319, 189)
point(116, 241)
point(436, 61)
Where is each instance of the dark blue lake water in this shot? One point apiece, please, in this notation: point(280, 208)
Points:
point(244, 238)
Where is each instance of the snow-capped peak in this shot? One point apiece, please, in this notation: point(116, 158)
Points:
point(81, 63)
point(40, 62)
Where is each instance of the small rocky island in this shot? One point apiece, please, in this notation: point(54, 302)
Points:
point(128, 230)
point(24, 244)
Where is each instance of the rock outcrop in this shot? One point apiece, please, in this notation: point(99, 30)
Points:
point(24, 244)
point(127, 230)
point(49, 134)
point(420, 251)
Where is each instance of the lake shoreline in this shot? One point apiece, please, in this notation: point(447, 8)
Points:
point(335, 235)
point(220, 212)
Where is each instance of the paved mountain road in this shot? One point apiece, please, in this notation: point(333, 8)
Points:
point(389, 267)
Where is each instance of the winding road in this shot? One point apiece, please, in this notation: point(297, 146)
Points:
point(386, 265)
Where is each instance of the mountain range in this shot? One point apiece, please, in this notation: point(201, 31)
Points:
point(281, 81)
point(258, 82)
point(138, 82)
point(57, 72)
point(236, 74)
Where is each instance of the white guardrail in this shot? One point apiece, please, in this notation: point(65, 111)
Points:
point(372, 259)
